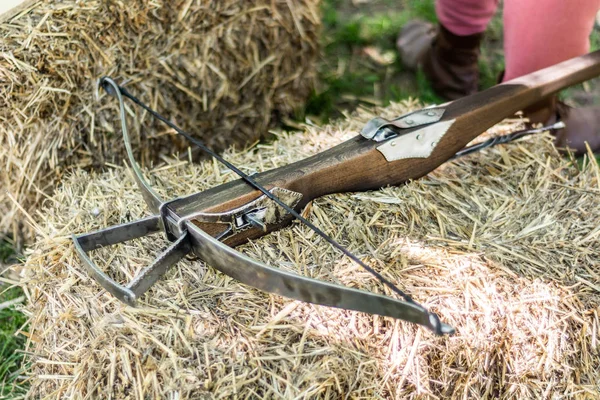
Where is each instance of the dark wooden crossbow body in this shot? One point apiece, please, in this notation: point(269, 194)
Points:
point(386, 153)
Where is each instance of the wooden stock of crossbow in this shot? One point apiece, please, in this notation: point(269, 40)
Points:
point(211, 222)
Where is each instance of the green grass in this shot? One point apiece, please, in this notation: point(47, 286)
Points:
point(349, 77)
point(11, 321)
point(11, 360)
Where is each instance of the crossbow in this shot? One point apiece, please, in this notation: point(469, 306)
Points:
point(387, 152)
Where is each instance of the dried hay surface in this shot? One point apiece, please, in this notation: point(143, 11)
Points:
point(220, 69)
point(503, 244)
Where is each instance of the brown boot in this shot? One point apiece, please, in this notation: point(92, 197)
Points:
point(582, 124)
point(449, 61)
point(414, 41)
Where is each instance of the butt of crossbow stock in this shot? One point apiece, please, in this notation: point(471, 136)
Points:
point(125, 232)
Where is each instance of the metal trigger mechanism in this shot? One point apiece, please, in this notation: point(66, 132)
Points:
point(379, 129)
point(257, 213)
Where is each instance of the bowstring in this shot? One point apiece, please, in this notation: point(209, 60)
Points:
point(250, 181)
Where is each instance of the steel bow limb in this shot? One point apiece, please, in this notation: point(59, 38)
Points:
point(187, 237)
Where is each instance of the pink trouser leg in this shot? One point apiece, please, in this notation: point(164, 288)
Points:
point(540, 33)
point(466, 17)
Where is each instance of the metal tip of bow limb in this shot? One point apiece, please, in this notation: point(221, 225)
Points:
point(108, 84)
point(438, 327)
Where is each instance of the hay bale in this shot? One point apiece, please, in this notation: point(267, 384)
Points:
point(221, 69)
point(503, 245)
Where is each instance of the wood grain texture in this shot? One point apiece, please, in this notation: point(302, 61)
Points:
point(357, 165)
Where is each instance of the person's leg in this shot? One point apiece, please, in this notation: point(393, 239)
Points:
point(452, 64)
point(541, 33)
point(534, 40)
point(465, 17)
point(449, 54)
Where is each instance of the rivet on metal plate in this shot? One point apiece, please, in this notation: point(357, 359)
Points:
point(407, 146)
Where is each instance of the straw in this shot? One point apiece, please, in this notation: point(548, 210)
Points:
point(224, 70)
point(502, 244)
